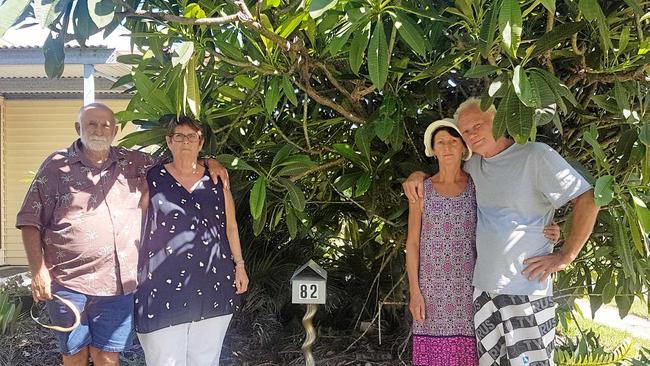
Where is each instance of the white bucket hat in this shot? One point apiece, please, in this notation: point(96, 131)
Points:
point(445, 122)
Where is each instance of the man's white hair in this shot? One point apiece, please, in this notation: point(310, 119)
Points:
point(473, 102)
point(103, 106)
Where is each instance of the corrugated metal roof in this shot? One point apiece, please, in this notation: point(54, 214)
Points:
point(113, 70)
point(13, 47)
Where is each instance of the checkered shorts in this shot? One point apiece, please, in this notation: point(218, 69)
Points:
point(514, 330)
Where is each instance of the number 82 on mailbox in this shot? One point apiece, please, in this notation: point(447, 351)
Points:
point(308, 292)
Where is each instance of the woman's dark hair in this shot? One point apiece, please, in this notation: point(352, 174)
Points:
point(451, 131)
point(172, 122)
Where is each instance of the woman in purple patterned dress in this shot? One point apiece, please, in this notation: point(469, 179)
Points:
point(440, 255)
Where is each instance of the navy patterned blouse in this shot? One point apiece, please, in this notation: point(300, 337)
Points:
point(186, 271)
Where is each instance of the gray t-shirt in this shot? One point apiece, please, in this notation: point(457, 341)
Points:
point(517, 192)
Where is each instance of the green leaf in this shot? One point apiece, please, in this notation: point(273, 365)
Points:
point(644, 135)
point(144, 138)
point(633, 224)
point(378, 56)
point(266, 23)
point(593, 12)
point(358, 48)
point(296, 197)
point(258, 197)
point(82, 24)
point(48, 11)
point(384, 127)
point(622, 99)
point(271, 3)
point(550, 40)
point(488, 28)
point(642, 213)
point(347, 152)
point(560, 90)
point(591, 139)
point(494, 87)
point(232, 93)
point(281, 155)
point(606, 103)
point(362, 141)
point(541, 89)
point(363, 184)
point(290, 24)
point(294, 169)
point(604, 190)
point(522, 87)
point(233, 162)
point(623, 41)
point(127, 116)
point(397, 137)
point(318, 7)
point(292, 221)
point(272, 95)
point(590, 9)
point(192, 93)
point(609, 292)
point(258, 224)
point(245, 81)
point(549, 5)
point(183, 53)
point(479, 71)
point(10, 10)
point(624, 304)
point(499, 124)
point(101, 12)
point(410, 32)
point(634, 4)
point(287, 88)
point(339, 39)
point(519, 120)
point(193, 10)
point(228, 49)
point(510, 25)
point(54, 55)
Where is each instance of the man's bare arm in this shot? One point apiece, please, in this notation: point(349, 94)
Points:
point(585, 212)
point(41, 280)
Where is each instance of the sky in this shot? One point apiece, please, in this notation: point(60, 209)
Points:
point(35, 36)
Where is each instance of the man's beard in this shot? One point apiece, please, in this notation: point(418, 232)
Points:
point(95, 143)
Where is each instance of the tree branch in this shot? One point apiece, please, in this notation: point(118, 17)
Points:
point(305, 104)
point(333, 80)
point(550, 20)
point(318, 168)
point(246, 18)
point(361, 91)
point(307, 88)
point(243, 64)
point(592, 77)
point(243, 15)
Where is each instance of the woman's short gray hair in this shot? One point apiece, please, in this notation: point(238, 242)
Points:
point(473, 102)
point(172, 122)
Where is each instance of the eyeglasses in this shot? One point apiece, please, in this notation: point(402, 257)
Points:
point(180, 137)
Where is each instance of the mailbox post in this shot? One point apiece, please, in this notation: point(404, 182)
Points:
point(308, 286)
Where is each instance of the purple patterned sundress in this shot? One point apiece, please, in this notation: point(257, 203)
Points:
point(447, 255)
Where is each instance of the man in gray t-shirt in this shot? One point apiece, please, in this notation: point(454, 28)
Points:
point(518, 188)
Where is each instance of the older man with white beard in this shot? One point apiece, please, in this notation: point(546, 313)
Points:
point(80, 224)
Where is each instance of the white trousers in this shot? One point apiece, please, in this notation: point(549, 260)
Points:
point(190, 344)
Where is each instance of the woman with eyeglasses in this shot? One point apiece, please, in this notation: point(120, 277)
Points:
point(191, 270)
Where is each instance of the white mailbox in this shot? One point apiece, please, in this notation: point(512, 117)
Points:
point(308, 284)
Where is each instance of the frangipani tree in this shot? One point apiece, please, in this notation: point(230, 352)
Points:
point(321, 105)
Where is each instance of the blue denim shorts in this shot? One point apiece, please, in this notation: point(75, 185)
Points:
point(106, 321)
